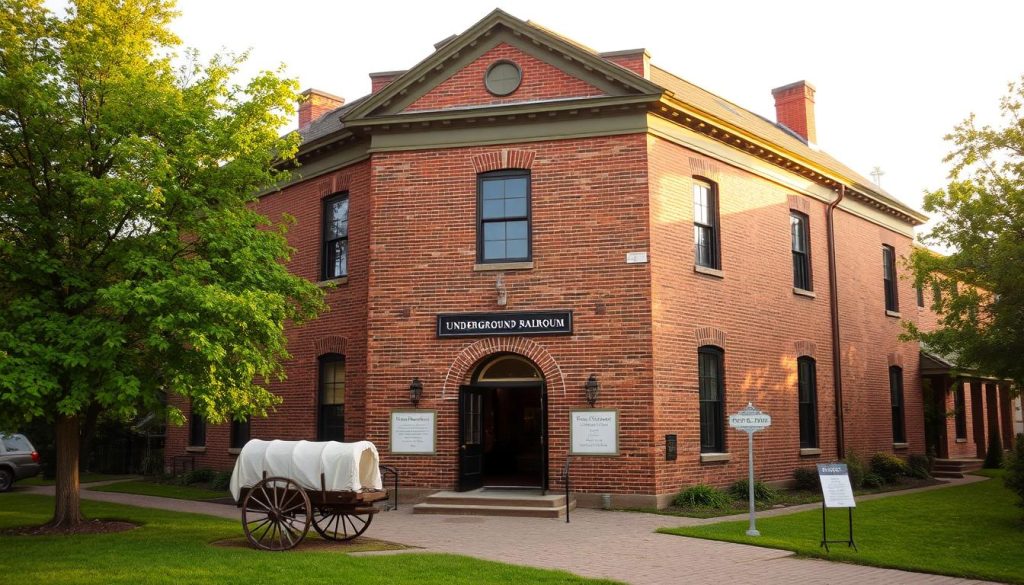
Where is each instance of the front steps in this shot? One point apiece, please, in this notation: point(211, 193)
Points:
point(954, 468)
point(496, 502)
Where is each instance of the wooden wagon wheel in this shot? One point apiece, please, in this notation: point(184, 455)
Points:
point(276, 514)
point(340, 526)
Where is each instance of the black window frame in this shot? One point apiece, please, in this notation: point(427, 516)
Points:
point(712, 412)
point(802, 277)
point(896, 397)
point(327, 245)
point(892, 299)
point(713, 238)
point(936, 292)
point(920, 296)
point(196, 430)
point(960, 412)
point(503, 174)
point(241, 432)
point(324, 420)
point(807, 398)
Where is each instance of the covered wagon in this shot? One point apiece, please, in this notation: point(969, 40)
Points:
point(283, 487)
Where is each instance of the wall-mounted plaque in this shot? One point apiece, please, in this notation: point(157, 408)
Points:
point(594, 432)
point(508, 323)
point(413, 432)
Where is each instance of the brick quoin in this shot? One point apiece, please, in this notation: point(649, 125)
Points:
point(636, 326)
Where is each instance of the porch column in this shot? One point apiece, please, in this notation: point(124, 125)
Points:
point(978, 419)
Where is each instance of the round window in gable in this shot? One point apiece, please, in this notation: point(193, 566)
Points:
point(503, 77)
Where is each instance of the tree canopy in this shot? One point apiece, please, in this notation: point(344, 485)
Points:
point(132, 264)
point(981, 282)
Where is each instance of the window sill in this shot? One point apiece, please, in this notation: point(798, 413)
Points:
point(889, 313)
point(714, 457)
point(333, 282)
point(961, 440)
point(708, 271)
point(804, 293)
point(489, 266)
point(234, 451)
point(900, 446)
point(809, 452)
point(196, 449)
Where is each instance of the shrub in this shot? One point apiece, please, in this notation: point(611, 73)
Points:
point(762, 491)
point(920, 466)
point(1014, 478)
point(994, 457)
point(701, 495)
point(889, 467)
point(855, 468)
point(807, 479)
point(221, 481)
point(196, 476)
point(873, 480)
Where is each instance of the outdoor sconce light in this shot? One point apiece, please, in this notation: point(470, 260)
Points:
point(592, 388)
point(415, 391)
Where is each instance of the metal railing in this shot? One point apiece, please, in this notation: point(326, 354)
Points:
point(566, 483)
point(385, 472)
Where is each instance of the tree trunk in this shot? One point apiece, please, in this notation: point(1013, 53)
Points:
point(67, 509)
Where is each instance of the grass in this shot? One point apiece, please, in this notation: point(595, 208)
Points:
point(163, 490)
point(172, 548)
point(83, 478)
point(973, 531)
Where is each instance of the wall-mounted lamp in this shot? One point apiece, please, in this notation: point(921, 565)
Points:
point(592, 388)
point(415, 391)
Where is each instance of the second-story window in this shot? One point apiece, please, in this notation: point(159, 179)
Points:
point(801, 251)
point(705, 224)
point(503, 217)
point(335, 237)
point(196, 430)
point(892, 302)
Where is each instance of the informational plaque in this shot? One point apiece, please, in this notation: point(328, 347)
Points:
point(594, 432)
point(413, 432)
point(835, 485)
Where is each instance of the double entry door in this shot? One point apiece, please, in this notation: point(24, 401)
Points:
point(503, 436)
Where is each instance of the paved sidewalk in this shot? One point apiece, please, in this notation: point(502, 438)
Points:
point(616, 545)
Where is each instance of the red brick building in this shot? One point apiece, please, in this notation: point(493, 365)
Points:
point(517, 224)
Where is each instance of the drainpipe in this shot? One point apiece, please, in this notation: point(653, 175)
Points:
point(837, 369)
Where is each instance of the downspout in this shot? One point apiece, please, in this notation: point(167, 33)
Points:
point(837, 369)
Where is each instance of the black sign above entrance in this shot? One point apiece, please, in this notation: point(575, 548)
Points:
point(485, 324)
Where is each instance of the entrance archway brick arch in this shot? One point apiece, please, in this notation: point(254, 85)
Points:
point(470, 356)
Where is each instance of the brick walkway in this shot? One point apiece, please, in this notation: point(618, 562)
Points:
point(616, 545)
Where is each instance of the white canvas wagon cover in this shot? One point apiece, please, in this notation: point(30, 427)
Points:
point(345, 466)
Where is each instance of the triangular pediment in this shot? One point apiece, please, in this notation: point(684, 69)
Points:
point(553, 70)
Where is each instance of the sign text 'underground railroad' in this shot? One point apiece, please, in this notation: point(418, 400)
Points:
point(523, 323)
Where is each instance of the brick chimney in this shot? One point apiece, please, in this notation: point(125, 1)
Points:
point(636, 60)
point(382, 79)
point(316, 103)
point(794, 107)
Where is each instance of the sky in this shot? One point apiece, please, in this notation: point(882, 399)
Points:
point(892, 77)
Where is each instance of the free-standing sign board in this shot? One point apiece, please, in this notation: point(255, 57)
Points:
point(835, 485)
point(594, 432)
point(413, 432)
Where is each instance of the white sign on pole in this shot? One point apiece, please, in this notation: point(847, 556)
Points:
point(750, 420)
point(835, 485)
point(413, 432)
point(594, 432)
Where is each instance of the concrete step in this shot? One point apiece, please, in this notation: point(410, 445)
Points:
point(496, 502)
point(448, 499)
point(947, 474)
point(479, 510)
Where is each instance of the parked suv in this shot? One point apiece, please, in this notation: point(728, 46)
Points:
point(18, 460)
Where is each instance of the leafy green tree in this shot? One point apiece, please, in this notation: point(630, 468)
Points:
point(982, 221)
point(132, 263)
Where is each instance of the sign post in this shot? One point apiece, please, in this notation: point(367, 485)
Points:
point(750, 420)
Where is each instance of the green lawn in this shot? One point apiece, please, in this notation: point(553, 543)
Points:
point(171, 548)
point(163, 490)
point(972, 531)
point(83, 478)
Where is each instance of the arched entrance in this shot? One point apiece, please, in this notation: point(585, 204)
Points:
point(503, 425)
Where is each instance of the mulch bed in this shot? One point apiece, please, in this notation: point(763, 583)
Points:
point(94, 526)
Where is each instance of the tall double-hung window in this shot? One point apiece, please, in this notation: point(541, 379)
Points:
point(503, 217)
point(711, 374)
point(801, 251)
point(892, 301)
point(807, 379)
point(899, 427)
point(331, 415)
point(705, 225)
point(335, 237)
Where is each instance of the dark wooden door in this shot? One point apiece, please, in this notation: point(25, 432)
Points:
point(544, 436)
point(471, 449)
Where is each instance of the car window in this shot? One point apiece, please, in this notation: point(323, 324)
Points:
point(16, 443)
